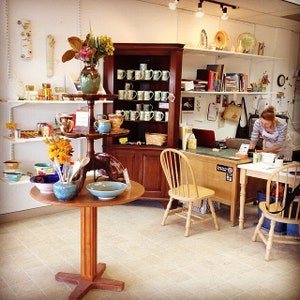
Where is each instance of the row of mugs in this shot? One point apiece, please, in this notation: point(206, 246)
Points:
point(143, 95)
point(155, 75)
point(143, 115)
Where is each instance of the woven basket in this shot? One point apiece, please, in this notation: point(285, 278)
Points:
point(157, 139)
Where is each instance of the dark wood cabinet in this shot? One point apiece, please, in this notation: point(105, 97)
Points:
point(140, 158)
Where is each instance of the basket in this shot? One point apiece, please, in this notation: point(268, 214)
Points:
point(157, 139)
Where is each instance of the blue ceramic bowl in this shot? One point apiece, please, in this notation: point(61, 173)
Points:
point(45, 182)
point(65, 191)
point(106, 190)
point(13, 176)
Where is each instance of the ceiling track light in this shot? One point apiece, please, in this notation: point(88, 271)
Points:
point(223, 6)
point(224, 16)
point(173, 5)
point(200, 12)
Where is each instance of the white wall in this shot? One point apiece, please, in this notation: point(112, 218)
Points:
point(124, 21)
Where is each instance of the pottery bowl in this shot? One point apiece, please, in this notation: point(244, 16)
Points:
point(106, 190)
point(65, 191)
point(11, 164)
point(44, 168)
point(45, 182)
point(13, 176)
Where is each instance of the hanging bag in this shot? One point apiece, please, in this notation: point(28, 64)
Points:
point(243, 132)
point(232, 112)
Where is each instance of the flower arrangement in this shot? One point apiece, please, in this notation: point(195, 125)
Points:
point(265, 79)
point(59, 148)
point(89, 50)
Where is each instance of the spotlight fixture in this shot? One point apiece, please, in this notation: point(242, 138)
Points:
point(224, 15)
point(223, 6)
point(200, 12)
point(173, 5)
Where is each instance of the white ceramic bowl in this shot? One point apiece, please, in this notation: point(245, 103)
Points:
point(106, 190)
point(44, 168)
point(45, 182)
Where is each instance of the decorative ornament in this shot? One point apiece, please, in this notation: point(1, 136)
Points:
point(50, 43)
point(26, 43)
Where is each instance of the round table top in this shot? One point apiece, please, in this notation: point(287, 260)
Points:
point(85, 199)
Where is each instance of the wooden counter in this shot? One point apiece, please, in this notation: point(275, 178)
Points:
point(219, 171)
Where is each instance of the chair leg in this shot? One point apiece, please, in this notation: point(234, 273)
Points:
point(270, 240)
point(213, 213)
point(167, 211)
point(188, 219)
point(257, 228)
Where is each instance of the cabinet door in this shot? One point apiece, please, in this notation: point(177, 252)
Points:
point(151, 175)
point(129, 159)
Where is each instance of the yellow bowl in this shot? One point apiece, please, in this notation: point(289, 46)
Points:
point(11, 164)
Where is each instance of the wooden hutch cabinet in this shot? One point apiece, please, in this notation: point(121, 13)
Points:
point(141, 158)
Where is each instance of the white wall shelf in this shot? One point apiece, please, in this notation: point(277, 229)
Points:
point(224, 93)
point(224, 54)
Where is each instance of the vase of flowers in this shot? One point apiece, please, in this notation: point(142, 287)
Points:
point(89, 51)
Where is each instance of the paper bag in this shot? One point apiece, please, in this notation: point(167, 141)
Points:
point(232, 112)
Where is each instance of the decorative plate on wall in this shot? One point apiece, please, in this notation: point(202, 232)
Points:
point(221, 39)
point(247, 41)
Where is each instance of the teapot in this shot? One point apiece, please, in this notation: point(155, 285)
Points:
point(65, 122)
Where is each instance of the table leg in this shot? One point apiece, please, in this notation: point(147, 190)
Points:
point(90, 276)
point(243, 182)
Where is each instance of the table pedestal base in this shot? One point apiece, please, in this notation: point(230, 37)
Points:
point(83, 286)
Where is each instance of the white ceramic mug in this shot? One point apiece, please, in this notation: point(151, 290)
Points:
point(126, 114)
point(139, 106)
point(134, 115)
point(156, 75)
point(138, 75)
point(119, 112)
point(121, 74)
point(130, 74)
point(148, 74)
point(121, 94)
point(142, 115)
point(148, 115)
point(143, 66)
point(165, 75)
point(164, 96)
point(131, 94)
point(140, 95)
point(157, 95)
point(166, 116)
point(148, 95)
point(128, 86)
point(147, 107)
point(158, 115)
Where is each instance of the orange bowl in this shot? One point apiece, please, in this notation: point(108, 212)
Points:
point(11, 164)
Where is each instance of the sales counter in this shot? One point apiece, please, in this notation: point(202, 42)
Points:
point(219, 171)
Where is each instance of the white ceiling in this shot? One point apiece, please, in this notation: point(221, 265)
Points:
point(275, 13)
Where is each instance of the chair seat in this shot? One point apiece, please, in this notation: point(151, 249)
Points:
point(202, 193)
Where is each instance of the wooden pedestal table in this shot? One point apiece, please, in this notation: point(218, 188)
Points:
point(90, 276)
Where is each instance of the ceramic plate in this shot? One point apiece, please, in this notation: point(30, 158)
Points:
point(221, 39)
point(247, 41)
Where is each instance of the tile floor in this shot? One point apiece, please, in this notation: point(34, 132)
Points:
point(156, 262)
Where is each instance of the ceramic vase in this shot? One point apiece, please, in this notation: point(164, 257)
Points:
point(89, 79)
point(65, 191)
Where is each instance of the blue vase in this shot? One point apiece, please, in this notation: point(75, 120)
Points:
point(65, 191)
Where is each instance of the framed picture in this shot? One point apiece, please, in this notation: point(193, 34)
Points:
point(187, 103)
